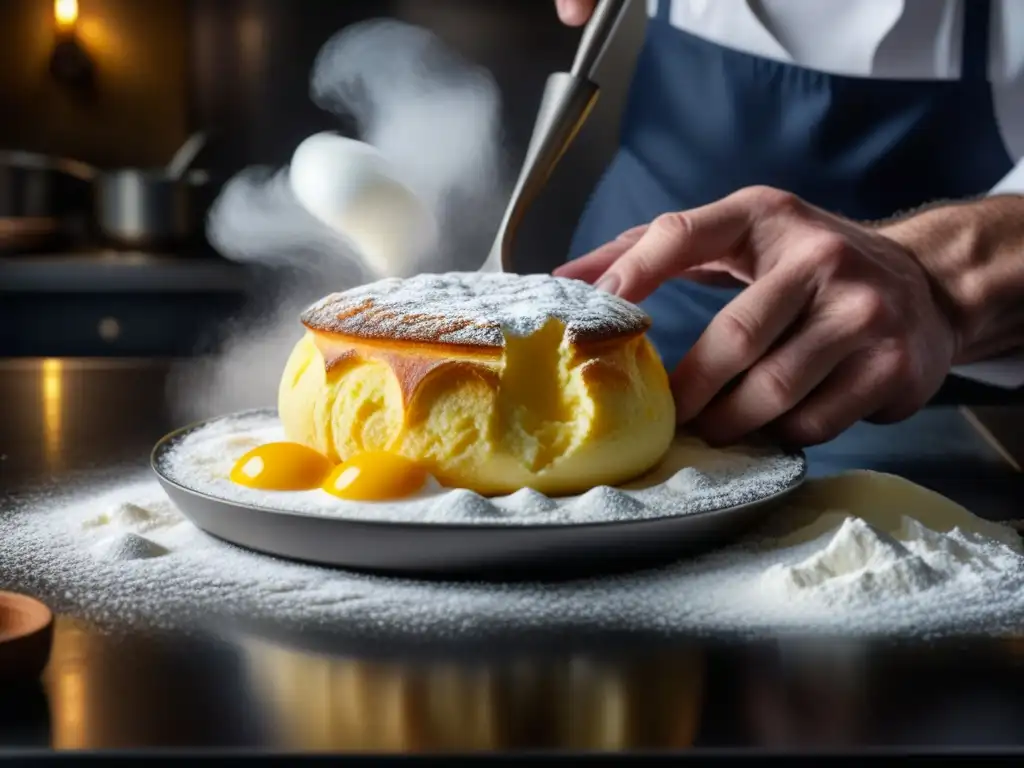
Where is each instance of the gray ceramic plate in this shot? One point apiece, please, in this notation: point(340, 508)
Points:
point(480, 551)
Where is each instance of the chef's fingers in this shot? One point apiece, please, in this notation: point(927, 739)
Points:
point(722, 277)
point(908, 397)
point(779, 381)
point(675, 242)
point(737, 337)
point(575, 13)
point(594, 264)
point(861, 385)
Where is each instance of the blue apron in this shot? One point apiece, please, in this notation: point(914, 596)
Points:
point(703, 121)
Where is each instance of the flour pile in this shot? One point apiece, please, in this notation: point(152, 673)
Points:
point(900, 560)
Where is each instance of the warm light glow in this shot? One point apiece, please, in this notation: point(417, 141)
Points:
point(65, 12)
point(53, 409)
point(67, 687)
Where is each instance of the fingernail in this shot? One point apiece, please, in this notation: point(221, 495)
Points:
point(609, 283)
point(564, 8)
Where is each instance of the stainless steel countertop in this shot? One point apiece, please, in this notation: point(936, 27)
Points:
point(62, 419)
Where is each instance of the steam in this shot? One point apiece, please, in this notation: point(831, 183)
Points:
point(430, 112)
point(433, 115)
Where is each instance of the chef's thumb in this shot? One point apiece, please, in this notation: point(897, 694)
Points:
point(575, 13)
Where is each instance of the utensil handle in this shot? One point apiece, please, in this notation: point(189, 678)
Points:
point(33, 161)
point(186, 153)
point(597, 35)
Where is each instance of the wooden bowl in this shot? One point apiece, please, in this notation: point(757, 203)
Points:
point(26, 635)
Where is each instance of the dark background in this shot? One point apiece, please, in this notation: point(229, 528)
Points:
point(240, 69)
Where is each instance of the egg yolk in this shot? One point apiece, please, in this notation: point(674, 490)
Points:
point(375, 476)
point(282, 467)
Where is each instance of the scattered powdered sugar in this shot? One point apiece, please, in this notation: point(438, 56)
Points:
point(474, 309)
point(132, 517)
point(128, 546)
point(865, 572)
point(692, 478)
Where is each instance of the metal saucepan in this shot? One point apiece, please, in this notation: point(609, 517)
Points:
point(39, 198)
point(146, 207)
point(131, 207)
point(151, 207)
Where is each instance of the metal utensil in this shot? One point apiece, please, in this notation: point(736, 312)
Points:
point(186, 154)
point(567, 101)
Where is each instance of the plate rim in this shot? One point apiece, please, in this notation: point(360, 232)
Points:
point(162, 445)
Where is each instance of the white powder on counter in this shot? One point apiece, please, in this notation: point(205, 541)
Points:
point(691, 478)
point(873, 572)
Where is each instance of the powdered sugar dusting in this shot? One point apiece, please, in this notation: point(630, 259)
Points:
point(845, 574)
point(692, 478)
point(128, 546)
point(474, 309)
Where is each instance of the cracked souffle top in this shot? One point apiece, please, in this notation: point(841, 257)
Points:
point(474, 309)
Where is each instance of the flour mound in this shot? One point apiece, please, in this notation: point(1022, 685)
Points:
point(129, 546)
point(905, 543)
point(858, 561)
point(130, 516)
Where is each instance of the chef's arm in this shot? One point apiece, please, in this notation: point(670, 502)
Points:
point(974, 252)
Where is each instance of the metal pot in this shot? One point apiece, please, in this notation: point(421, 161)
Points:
point(39, 198)
point(137, 207)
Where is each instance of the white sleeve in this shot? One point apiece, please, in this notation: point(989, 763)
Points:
point(1012, 183)
point(1008, 371)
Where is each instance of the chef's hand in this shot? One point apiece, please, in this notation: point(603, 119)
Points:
point(575, 13)
point(838, 323)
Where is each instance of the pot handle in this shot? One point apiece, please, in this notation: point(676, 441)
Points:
point(31, 160)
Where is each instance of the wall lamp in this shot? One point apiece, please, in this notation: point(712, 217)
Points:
point(70, 64)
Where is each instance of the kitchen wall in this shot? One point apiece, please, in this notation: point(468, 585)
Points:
point(139, 113)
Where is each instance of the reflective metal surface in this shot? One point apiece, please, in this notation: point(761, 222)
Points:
point(597, 36)
point(64, 421)
point(103, 692)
